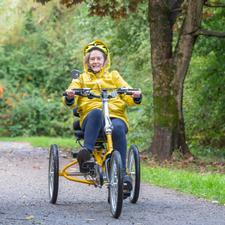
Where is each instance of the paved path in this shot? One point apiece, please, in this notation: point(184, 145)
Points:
point(24, 198)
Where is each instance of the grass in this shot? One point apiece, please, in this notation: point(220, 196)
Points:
point(45, 142)
point(208, 186)
point(193, 178)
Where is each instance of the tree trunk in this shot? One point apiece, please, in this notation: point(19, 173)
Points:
point(164, 99)
point(169, 70)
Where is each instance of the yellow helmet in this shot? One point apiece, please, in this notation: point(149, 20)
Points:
point(97, 44)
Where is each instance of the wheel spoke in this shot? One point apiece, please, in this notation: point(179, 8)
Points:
point(114, 186)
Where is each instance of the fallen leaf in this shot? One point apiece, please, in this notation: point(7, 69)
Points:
point(90, 220)
point(29, 217)
point(36, 167)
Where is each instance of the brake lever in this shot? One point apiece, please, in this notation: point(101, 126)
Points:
point(113, 94)
point(90, 96)
point(121, 90)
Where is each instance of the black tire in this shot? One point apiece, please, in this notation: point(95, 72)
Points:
point(116, 185)
point(134, 171)
point(53, 174)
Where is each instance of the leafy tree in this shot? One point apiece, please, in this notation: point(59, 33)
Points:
point(30, 103)
point(174, 26)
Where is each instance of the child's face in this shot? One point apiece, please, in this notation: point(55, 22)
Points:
point(96, 60)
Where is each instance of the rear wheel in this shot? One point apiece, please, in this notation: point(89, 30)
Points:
point(116, 185)
point(53, 174)
point(134, 171)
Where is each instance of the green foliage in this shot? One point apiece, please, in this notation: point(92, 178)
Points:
point(34, 61)
point(207, 153)
point(36, 69)
point(34, 82)
point(35, 115)
point(204, 101)
point(37, 118)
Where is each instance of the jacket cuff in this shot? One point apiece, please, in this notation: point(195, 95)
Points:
point(69, 102)
point(138, 100)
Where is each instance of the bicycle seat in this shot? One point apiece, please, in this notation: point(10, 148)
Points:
point(79, 134)
point(77, 130)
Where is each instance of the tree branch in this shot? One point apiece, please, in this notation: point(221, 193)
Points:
point(43, 1)
point(215, 5)
point(210, 33)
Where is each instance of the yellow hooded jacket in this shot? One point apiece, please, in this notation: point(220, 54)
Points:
point(101, 80)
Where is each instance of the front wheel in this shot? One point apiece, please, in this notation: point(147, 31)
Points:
point(53, 174)
point(116, 184)
point(134, 171)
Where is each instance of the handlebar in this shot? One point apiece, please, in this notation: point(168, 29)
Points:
point(79, 91)
point(87, 92)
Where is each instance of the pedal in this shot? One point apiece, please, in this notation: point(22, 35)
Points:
point(88, 165)
point(126, 195)
point(127, 187)
point(127, 184)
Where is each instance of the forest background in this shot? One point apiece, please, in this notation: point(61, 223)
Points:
point(39, 46)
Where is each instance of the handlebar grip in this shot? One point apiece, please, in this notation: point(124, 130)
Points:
point(129, 93)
